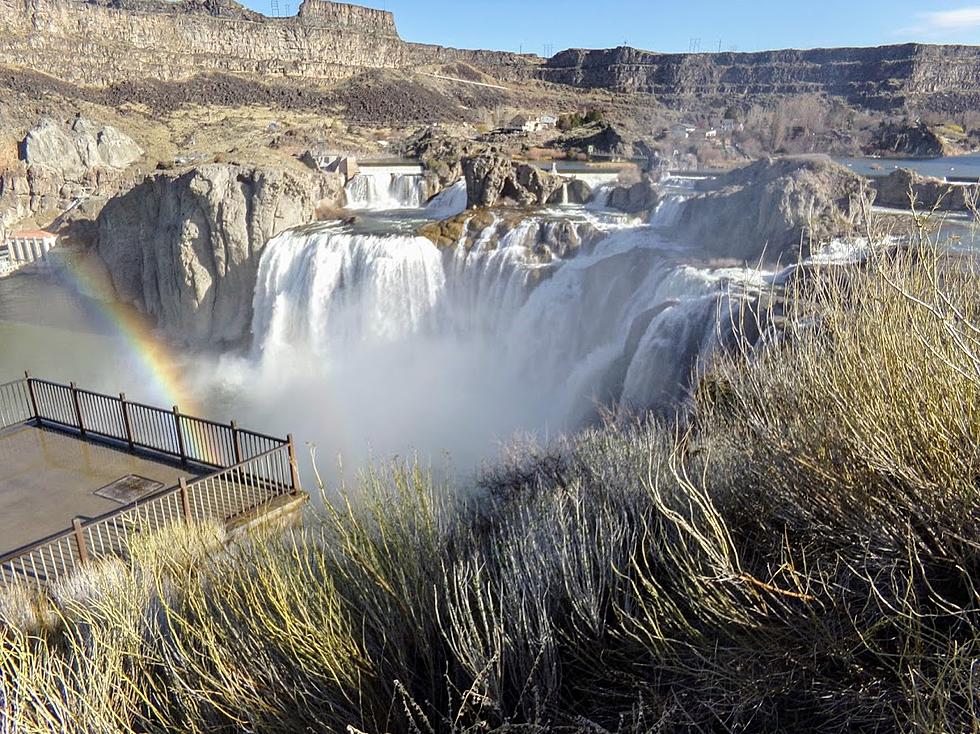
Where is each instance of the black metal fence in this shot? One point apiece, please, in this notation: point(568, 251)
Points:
point(249, 470)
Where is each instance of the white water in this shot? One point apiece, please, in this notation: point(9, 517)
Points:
point(385, 343)
point(448, 203)
point(384, 188)
point(371, 342)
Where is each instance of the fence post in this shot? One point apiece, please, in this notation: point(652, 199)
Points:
point(30, 391)
point(185, 500)
point(293, 471)
point(180, 435)
point(126, 424)
point(237, 443)
point(78, 408)
point(80, 540)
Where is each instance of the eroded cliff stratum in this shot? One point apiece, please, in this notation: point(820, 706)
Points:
point(99, 43)
point(103, 42)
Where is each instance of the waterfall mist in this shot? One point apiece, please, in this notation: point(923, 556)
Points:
point(375, 345)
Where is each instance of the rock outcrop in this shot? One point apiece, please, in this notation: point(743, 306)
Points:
point(544, 240)
point(73, 153)
point(111, 42)
point(943, 78)
point(643, 196)
point(917, 141)
point(184, 247)
point(772, 208)
point(441, 153)
point(895, 190)
point(60, 164)
point(493, 179)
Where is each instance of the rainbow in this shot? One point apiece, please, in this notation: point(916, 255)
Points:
point(158, 362)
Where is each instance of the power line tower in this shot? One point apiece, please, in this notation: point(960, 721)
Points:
point(549, 50)
point(275, 9)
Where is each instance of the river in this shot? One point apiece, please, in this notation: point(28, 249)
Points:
point(369, 342)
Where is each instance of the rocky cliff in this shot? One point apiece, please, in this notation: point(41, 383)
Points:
point(184, 247)
point(940, 77)
point(62, 163)
point(900, 188)
point(772, 209)
point(99, 43)
point(115, 41)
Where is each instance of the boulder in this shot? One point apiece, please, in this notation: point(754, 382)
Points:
point(771, 207)
point(895, 189)
point(184, 248)
point(73, 153)
point(642, 196)
point(493, 179)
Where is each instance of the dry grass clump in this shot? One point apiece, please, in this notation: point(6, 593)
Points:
point(801, 557)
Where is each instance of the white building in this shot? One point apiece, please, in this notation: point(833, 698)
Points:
point(25, 247)
point(532, 124)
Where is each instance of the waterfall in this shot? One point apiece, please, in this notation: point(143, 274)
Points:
point(621, 323)
point(327, 290)
point(600, 197)
point(668, 211)
point(449, 202)
point(383, 188)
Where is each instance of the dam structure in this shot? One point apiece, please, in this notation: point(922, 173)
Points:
point(83, 473)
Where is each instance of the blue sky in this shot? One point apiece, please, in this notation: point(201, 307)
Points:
point(671, 25)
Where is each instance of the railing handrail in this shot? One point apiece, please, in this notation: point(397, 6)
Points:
point(259, 473)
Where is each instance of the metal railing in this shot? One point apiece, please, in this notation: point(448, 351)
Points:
point(138, 425)
point(252, 470)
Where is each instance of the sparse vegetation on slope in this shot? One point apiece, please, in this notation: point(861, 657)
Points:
point(801, 556)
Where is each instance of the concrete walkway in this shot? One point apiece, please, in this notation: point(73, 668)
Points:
point(48, 477)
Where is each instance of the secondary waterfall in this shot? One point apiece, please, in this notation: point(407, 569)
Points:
point(448, 202)
point(380, 188)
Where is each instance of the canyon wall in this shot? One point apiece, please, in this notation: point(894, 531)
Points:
point(113, 41)
point(941, 77)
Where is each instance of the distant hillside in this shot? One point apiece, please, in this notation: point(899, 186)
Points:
point(939, 78)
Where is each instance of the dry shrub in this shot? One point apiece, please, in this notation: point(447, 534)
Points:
point(802, 558)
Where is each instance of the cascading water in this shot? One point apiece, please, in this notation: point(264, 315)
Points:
point(506, 330)
point(327, 290)
point(448, 203)
point(668, 211)
point(386, 188)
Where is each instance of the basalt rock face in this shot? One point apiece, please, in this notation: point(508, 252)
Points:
point(98, 43)
point(913, 141)
point(895, 190)
point(772, 208)
point(62, 163)
point(640, 197)
point(184, 248)
point(493, 179)
point(944, 78)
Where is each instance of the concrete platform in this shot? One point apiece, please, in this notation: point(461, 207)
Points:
point(48, 477)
